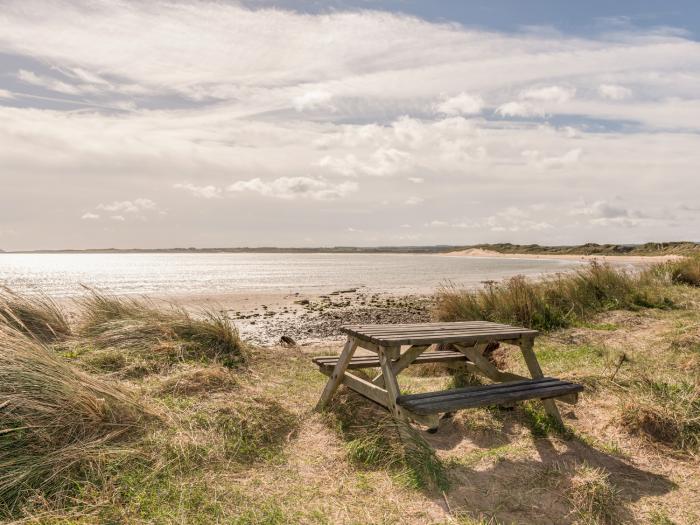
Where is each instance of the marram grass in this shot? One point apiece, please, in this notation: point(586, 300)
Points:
point(554, 302)
point(36, 315)
point(138, 325)
point(56, 423)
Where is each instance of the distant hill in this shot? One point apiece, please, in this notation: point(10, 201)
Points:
point(650, 248)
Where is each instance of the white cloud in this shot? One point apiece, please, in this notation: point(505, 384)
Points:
point(313, 100)
point(119, 218)
point(205, 192)
point(519, 109)
point(416, 180)
point(6, 94)
point(89, 216)
point(295, 187)
point(413, 200)
point(614, 91)
point(132, 206)
point(536, 158)
point(462, 104)
point(558, 94)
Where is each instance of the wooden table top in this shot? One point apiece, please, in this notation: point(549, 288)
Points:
point(434, 333)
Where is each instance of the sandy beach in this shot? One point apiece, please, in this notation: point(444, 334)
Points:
point(612, 259)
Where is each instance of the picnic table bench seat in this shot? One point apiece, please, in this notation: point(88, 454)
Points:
point(327, 363)
point(499, 393)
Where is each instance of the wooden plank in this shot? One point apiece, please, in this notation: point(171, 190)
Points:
point(533, 391)
point(433, 331)
point(409, 325)
point(428, 326)
point(447, 401)
point(437, 339)
point(367, 389)
point(498, 387)
point(338, 372)
point(391, 385)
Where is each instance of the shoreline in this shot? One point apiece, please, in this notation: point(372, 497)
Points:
point(612, 259)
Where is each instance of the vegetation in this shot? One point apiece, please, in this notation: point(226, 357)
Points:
point(554, 302)
point(158, 336)
point(649, 248)
point(664, 412)
point(679, 271)
point(141, 413)
point(57, 423)
point(37, 315)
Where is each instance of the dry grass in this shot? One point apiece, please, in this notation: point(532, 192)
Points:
point(681, 271)
point(57, 423)
point(374, 440)
point(37, 315)
point(199, 381)
point(241, 445)
point(166, 335)
point(552, 303)
point(668, 413)
point(594, 498)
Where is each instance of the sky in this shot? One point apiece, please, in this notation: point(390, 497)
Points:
point(394, 122)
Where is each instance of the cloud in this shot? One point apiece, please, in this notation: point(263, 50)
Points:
point(539, 160)
point(558, 94)
point(519, 109)
point(132, 206)
point(289, 188)
point(604, 213)
point(361, 103)
point(313, 100)
point(6, 94)
point(614, 91)
point(205, 192)
point(462, 104)
point(89, 216)
point(413, 200)
point(119, 218)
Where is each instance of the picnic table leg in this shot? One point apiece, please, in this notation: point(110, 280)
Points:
point(338, 372)
point(526, 346)
point(393, 392)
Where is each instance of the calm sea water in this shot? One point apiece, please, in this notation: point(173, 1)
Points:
point(61, 275)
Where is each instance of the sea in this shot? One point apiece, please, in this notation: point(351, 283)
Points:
point(181, 274)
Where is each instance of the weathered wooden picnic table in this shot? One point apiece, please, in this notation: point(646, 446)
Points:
point(394, 347)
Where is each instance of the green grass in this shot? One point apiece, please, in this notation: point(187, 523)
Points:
point(668, 413)
point(555, 302)
point(373, 440)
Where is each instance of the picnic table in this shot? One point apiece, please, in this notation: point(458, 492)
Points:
point(394, 347)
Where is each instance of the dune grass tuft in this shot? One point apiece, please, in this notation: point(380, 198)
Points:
point(594, 498)
point(551, 303)
point(664, 412)
point(56, 423)
point(36, 315)
point(199, 381)
point(164, 334)
point(680, 271)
